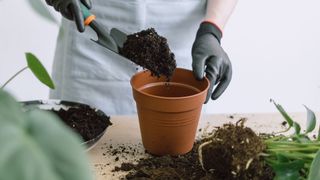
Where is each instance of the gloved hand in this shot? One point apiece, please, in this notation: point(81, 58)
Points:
point(210, 59)
point(70, 9)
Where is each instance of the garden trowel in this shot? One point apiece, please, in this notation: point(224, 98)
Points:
point(113, 41)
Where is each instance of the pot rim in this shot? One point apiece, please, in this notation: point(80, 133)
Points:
point(170, 98)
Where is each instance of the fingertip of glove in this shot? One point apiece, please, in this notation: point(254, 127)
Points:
point(81, 28)
point(198, 75)
point(215, 96)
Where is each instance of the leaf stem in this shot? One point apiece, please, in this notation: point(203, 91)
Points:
point(13, 77)
point(309, 149)
point(292, 144)
point(297, 155)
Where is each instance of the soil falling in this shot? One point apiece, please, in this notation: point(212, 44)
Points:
point(151, 51)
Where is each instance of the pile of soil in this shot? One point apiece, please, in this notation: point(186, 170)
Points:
point(167, 167)
point(84, 120)
point(233, 152)
point(151, 51)
point(225, 157)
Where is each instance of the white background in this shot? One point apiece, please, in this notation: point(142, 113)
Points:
point(274, 46)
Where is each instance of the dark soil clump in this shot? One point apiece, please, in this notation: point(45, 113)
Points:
point(232, 152)
point(167, 167)
point(84, 120)
point(151, 51)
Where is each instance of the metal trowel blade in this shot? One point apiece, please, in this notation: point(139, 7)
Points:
point(104, 39)
point(118, 36)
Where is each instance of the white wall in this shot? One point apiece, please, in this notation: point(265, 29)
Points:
point(22, 30)
point(274, 47)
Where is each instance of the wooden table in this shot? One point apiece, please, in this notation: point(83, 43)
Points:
point(124, 132)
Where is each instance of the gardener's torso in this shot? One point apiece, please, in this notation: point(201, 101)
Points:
point(88, 73)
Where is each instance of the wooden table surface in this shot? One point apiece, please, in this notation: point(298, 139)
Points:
point(122, 141)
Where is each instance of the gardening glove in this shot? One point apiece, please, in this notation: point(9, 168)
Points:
point(70, 9)
point(208, 58)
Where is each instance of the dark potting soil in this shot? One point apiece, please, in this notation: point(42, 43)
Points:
point(232, 152)
point(226, 157)
point(167, 167)
point(84, 120)
point(151, 51)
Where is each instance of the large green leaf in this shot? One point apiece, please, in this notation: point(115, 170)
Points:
point(311, 120)
point(39, 7)
point(314, 173)
point(14, 116)
point(288, 170)
point(39, 70)
point(42, 149)
point(281, 158)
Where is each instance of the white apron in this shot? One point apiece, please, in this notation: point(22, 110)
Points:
point(85, 72)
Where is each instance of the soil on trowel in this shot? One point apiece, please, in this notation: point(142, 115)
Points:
point(84, 120)
point(151, 51)
point(231, 154)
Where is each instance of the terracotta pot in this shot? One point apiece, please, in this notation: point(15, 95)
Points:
point(168, 112)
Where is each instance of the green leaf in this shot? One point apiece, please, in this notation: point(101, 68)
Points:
point(42, 10)
point(301, 138)
point(314, 172)
point(311, 120)
point(39, 70)
point(283, 113)
point(14, 116)
point(297, 128)
point(42, 149)
point(288, 170)
point(288, 175)
point(318, 139)
point(281, 158)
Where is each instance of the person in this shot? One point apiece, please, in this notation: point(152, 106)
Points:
point(85, 72)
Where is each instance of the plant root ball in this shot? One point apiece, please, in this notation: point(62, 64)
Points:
point(232, 152)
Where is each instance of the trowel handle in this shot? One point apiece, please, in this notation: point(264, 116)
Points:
point(87, 16)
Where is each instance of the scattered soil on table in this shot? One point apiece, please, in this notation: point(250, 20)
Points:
point(226, 157)
point(84, 120)
point(167, 167)
point(151, 51)
point(232, 152)
point(284, 123)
